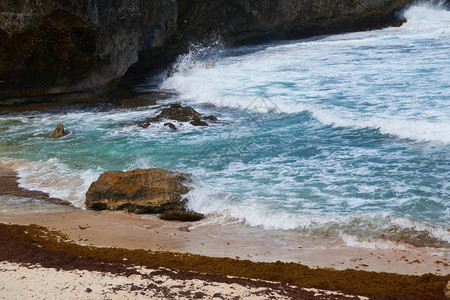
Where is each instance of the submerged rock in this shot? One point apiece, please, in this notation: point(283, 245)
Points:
point(196, 121)
point(58, 132)
point(144, 124)
point(170, 125)
point(181, 215)
point(210, 117)
point(138, 191)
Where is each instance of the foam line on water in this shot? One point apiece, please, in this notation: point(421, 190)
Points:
point(364, 229)
point(357, 80)
point(54, 178)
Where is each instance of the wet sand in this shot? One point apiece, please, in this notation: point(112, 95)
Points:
point(123, 230)
point(34, 245)
point(10, 186)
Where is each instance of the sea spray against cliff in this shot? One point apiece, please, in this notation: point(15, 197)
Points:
point(298, 78)
point(327, 94)
point(203, 55)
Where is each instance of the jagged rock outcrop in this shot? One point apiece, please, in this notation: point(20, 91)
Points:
point(171, 126)
point(78, 48)
point(178, 113)
point(197, 121)
point(58, 132)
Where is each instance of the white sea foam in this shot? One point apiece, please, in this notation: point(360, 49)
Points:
point(53, 177)
point(354, 241)
point(353, 229)
point(430, 13)
point(410, 129)
point(369, 73)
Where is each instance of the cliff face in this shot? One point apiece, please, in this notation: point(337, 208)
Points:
point(52, 47)
point(247, 21)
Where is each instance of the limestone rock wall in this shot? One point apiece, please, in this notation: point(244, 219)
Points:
point(51, 47)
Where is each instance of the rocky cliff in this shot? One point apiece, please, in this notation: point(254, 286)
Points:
point(52, 47)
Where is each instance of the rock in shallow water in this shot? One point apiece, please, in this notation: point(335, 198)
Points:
point(58, 132)
point(138, 191)
point(178, 113)
point(181, 215)
point(197, 122)
point(170, 125)
point(210, 117)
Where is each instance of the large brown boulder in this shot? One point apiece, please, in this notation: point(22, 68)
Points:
point(138, 191)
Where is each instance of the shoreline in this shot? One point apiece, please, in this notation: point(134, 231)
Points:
point(207, 247)
point(35, 245)
point(10, 186)
point(210, 238)
point(147, 232)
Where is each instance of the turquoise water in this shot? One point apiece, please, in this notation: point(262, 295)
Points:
point(343, 137)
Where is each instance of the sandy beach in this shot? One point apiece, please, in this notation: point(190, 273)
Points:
point(44, 263)
point(123, 230)
point(147, 283)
